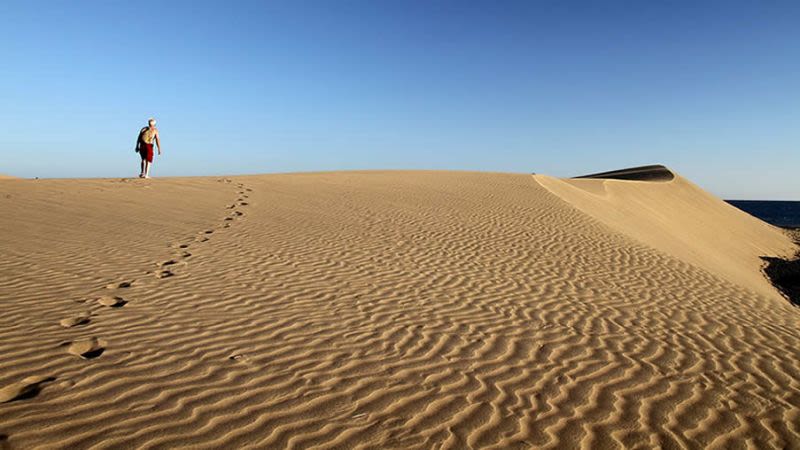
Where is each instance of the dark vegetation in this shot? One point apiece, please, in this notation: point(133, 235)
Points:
point(655, 172)
point(785, 273)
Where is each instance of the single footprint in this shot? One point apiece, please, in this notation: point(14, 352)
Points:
point(112, 301)
point(88, 348)
point(183, 246)
point(249, 190)
point(165, 274)
point(169, 263)
point(70, 322)
point(123, 285)
point(227, 225)
point(185, 255)
point(26, 388)
point(238, 213)
point(229, 218)
point(209, 231)
point(243, 203)
point(239, 357)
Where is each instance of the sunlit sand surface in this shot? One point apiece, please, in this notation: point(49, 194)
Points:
point(390, 310)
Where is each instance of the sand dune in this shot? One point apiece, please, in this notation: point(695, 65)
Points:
point(681, 220)
point(390, 310)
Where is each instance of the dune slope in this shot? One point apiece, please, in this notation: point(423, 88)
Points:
point(386, 310)
point(680, 219)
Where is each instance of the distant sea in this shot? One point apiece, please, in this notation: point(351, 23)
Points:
point(780, 213)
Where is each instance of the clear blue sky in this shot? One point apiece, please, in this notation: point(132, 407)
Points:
point(711, 89)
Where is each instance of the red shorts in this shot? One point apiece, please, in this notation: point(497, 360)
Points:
point(146, 150)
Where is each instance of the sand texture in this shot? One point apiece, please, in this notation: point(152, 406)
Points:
point(390, 310)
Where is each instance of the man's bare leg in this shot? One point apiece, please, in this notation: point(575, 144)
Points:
point(141, 172)
point(147, 169)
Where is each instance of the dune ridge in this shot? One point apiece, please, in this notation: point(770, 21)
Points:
point(387, 310)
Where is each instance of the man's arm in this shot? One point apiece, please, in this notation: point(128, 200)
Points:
point(138, 140)
point(158, 143)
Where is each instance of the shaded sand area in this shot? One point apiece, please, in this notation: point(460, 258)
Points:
point(390, 310)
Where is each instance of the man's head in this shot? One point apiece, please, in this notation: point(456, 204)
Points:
point(151, 122)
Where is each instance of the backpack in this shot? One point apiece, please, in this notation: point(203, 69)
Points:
point(140, 140)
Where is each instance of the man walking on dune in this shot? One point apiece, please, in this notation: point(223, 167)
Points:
point(144, 146)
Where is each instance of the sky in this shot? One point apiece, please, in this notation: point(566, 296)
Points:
point(710, 89)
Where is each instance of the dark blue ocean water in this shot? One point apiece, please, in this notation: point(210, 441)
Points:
point(780, 213)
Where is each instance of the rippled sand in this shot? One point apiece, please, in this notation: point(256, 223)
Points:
point(390, 310)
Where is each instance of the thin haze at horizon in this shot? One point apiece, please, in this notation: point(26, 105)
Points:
point(710, 89)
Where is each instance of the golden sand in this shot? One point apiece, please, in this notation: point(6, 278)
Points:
point(390, 310)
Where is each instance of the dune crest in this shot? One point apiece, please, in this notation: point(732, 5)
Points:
point(678, 218)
